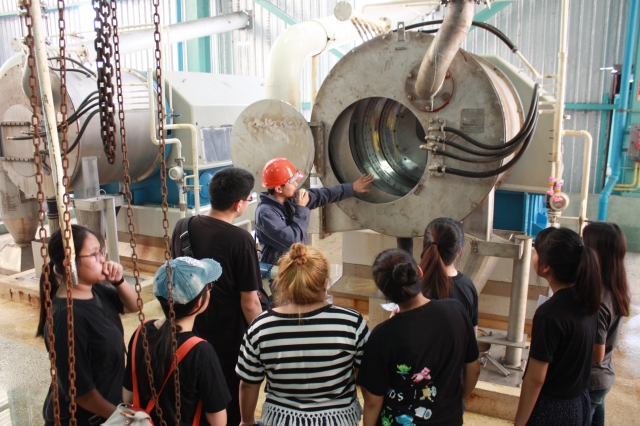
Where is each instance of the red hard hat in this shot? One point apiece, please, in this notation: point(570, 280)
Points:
point(278, 172)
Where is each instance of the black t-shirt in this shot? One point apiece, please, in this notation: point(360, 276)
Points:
point(563, 336)
point(99, 350)
point(414, 360)
point(464, 291)
point(200, 379)
point(223, 323)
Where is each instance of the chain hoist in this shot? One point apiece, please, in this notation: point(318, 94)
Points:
point(66, 214)
point(164, 191)
point(105, 72)
point(42, 215)
point(128, 197)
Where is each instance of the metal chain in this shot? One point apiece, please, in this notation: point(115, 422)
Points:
point(40, 197)
point(105, 73)
point(128, 197)
point(164, 192)
point(66, 215)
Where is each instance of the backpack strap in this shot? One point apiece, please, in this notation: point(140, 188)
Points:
point(183, 350)
point(134, 377)
point(185, 242)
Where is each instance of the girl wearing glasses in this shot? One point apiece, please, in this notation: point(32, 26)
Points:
point(98, 300)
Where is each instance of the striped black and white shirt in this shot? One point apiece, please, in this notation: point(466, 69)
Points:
point(308, 359)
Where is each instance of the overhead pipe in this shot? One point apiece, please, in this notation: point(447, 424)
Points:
point(444, 47)
point(620, 117)
point(294, 46)
point(143, 39)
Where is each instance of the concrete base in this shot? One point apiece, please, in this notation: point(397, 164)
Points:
point(494, 400)
point(15, 258)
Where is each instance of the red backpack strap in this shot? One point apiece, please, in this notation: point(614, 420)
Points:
point(196, 418)
point(183, 350)
point(134, 377)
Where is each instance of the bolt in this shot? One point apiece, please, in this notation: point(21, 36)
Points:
point(474, 205)
point(382, 231)
point(353, 51)
point(384, 37)
point(410, 75)
point(446, 97)
point(440, 121)
point(414, 234)
point(353, 217)
point(330, 74)
point(447, 75)
point(428, 108)
point(409, 97)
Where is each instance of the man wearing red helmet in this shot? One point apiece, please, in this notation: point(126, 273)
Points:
point(282, 217)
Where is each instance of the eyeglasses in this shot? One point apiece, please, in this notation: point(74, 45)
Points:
point(250, 199)
point(297, 175)
point(99, 255)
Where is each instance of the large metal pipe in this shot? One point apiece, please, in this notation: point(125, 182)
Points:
point(518, 303)
point(293, 47)
point(444, 47)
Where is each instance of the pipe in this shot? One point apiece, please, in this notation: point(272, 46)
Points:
point(558, 125)
point(293, 47)
point(46, 95)
point(444, 47)
point(177, 142)
point(586, 171)
point(630, 186)
point(620, 117)
point(518, 302)
point(135, 41)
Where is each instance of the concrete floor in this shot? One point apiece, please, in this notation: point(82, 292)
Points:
point(24, 363)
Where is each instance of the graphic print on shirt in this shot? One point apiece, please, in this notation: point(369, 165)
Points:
point(410, 396)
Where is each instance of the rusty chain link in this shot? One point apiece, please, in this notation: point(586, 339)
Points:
point(66, 214)
point(128, 198)
point(40, 197)
point(164, 191)
point(105, 72)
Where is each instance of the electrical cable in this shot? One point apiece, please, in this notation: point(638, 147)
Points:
point(528, 119)
point(483, 25)
point(80, 64)
point(490, 173)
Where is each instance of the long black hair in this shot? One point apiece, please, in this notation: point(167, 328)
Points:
point(443, 240)
point(571, 262)
point(610, 243)
point(160, 346)
point(58, 272)
point(397, 276)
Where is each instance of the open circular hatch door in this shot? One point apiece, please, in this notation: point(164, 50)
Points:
point(268, 129)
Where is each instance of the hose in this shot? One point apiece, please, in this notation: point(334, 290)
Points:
point(80, 64)
point(482, 25)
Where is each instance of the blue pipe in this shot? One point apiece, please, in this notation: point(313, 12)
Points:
point(620, 118)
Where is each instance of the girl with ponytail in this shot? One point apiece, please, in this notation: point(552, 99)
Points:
point(610, 243)
point(443, 240)
point(99, 299)
point(308, 350)
point(411, 368)
point(554, 387)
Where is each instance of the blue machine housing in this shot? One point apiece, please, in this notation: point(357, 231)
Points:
point(520, 211)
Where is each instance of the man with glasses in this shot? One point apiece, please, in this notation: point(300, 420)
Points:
point(234, 298)
point(282, 218)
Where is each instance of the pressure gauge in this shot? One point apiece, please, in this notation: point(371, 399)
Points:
point(559, 202)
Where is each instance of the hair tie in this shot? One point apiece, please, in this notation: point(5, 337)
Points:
point(433, 243)
point(299, 255)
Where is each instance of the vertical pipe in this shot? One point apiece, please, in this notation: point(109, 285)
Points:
point(112, 228)
point(46, 95)
point(621, 116)
point(586, 174)
point(557, 165)
point(518, 304)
